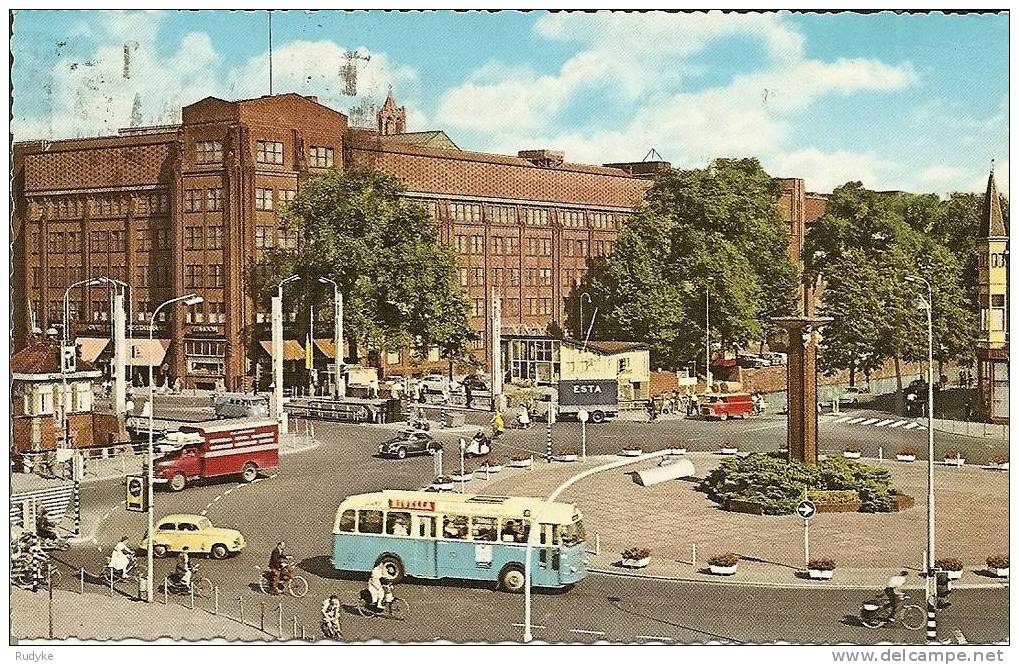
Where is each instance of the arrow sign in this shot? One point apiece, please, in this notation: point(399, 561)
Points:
point(806, 509)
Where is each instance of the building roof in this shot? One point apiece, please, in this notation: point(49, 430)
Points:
point(42, 357)
point(608, 348)
point(432, 139)
point(992, 222)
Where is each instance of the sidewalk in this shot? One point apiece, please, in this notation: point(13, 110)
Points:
point(671, 518)
point(96, 617)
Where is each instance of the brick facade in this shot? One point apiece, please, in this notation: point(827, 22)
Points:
point(190, 208)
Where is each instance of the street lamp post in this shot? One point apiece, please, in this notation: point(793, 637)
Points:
point(63, 345)
point(707, 335)
point(189, 300)
point(277, 353)
point(338, 390)
point(927, 305)
point(582, 296)
point(130, 310)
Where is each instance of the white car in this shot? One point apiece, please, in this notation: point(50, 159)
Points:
point(852, 396)
point(776, 358)
point(436, 383)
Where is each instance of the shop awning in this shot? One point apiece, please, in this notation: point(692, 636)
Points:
point(292, 349)
point(91, 347)
point(327, 347)
point(146, 352)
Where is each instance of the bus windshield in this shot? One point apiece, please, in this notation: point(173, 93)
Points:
point(571, 534)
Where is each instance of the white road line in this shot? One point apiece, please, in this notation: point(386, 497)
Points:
point(533, 626)
point(227, 492)
point(587, 632)
point(657, 638)
point(869, 421)
point(911, 426)
point(897, 423)
point(203, 512)
point(885, 422)
point(840, 419)
point(854, 421)
point(959, 637)
point(218, 497)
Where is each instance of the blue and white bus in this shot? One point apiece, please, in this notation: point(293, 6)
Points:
point(429, 535)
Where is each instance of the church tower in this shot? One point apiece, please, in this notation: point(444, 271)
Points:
point(992, 283)
point(392, 119)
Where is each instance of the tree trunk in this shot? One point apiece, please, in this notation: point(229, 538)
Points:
point(451, 370)
point(852, 371)
point(898, 385)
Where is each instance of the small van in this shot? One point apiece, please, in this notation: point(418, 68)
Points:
point(242, 406)
point(725, 406)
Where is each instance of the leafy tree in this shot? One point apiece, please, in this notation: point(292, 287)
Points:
point(720, 224)
point(398, 282)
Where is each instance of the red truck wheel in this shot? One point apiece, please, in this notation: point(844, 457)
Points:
point(178, 482)
point(249, 473)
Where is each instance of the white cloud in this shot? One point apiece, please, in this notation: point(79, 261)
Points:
point(823, 171)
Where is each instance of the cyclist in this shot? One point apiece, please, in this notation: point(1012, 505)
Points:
point(44, 526)
point(893, 590)
point(182, 573)
point(382, 574)
point(277, 566)
point(331, 609)
point(120, 558)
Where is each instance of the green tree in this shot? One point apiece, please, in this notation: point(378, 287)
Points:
point(721, 223)
point(398, 281)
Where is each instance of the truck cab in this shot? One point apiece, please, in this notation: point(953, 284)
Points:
point(243, 448)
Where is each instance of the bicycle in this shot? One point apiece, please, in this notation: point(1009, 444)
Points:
point(393, 607)
point(911, 616)
point(293, 584)
point(202, 586)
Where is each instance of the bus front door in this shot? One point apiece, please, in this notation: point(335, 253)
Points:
point(426, 548)
point(548, 557)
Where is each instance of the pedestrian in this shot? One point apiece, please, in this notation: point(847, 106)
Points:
point(969, 410)
point(467, 392)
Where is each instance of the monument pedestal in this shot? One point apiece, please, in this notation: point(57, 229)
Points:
point(801, 385)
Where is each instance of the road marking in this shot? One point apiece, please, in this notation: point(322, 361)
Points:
point(657, 638)
point(897, 423)
point(959, 637)
point(227, 492)
point(203, 512)
point(218, 497)
point(869, 421)
point(885, 422)
point(911, 426)
point(840, 419)
point(758, 429)
point(587, 632)
point(853, 421)
point(533, 626)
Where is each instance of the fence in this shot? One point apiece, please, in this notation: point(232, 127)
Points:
point(270, 617)
point(987, 431)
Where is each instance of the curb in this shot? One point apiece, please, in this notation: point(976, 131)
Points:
point(780, 585)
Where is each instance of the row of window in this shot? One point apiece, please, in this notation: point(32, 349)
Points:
point(264, 197)
point(266, 237)
point(206, 312)
point(75, 207)
point(455, 527)
point(266, 152)
point(210, 348)
point(196, 277)
point(69, 242)
point(202, 237)
point(196, 200)
point(506, 215)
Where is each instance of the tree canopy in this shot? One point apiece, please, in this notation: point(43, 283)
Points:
point(398, 281)
point(720, 224)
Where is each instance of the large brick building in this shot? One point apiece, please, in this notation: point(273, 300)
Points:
point(191, 207)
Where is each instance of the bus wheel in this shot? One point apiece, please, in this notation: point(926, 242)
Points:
point(598, 417)
point(178, 482)
point(249, 473)
point(395, 560)
point(512, 578)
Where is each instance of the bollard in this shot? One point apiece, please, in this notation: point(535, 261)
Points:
point(304, 635)
point(295, 627)
point(81, 588)
point(111, 582)
point(166, 591)
point(261, 618)
point(693, 560)
point(240, 609)
point(880, 453)
point(192, 596)
point(280, 618)
point(215, 601)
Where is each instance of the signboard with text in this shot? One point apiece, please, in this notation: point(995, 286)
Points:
point(137, 496)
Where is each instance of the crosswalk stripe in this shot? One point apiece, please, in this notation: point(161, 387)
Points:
point(854, 421)
point(869, 421)
point(897, 423)
point(884, 422)
point(842, 419)
point(911, 426)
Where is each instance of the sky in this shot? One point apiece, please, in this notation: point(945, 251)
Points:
point(915, 102)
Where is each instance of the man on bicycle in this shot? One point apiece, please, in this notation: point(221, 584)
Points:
point(182, 573)
point(331, 609)
point(382, 574)
point(277, 566)
point(893, 590)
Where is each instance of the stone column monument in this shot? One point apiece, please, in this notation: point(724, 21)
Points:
point(801, 385)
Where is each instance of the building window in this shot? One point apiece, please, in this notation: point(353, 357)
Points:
point(319, 156)
point(477, 276)
point(194, 276)
point(546, 277)
point(286, 196)
point(478, 307)
point(502, 214)
point(214, 199)
point(97, 241)
point(465, 212)
point(216, 312)
point(289, 237)
point(118, 241)
point(462, 246)
point(56, 243)
point(477, 244)
point(194, 237)
point(269, 152)
point(263, 237)
point(463, 276)
point(214, 238)
point(263, 198)
point(192, 200)
point(209, 152)
point(158, 203)
point(624, 365)
point(536, 216)
point(143, 239)
point(57, 275)
point(215, 276)
point(73, 242)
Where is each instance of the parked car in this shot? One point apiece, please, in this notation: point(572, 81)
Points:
point(750, 361)
point(242, 406)
point(728, 405)
point(436, 383)
point(409, 442)
point(852, 396)
point(174, 533)
point(395, 381)
point(776, 358)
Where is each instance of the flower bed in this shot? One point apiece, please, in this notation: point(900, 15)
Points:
point(998, 565)
point(636, 557)
point(520, 462)
point(952, 565)
point(906, 455)
point(821, 569)
point(851, 452)
point(632, 452)
point(954, 458)
point(723, 564)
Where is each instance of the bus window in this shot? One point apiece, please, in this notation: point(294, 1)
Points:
point(454, 526)
point(514, 531)
point(398, 524)
point(369, 521)
point(425, 526)
point(549, 534)
point(347, 521)
point(483, 528)
point(571, 534)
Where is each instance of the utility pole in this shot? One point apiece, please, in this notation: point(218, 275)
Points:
point(339, 383)
point(276, 406)
point(119, 355)
point(496, 360)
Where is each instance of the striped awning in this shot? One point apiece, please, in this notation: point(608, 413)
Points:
point(327, 347)
point(146, 352)
point(91, 347)
point(292, 349)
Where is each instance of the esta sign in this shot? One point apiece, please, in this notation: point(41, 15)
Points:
point(412, 504)
point(587, 389)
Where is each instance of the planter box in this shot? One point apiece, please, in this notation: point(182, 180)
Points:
point(1000, 572)
point(443, 487)
point(851, 454)
point(493, 468)
point(521, 463)
point(820, 574)
point(457, 478)
point(636, 563)
point(677, 451)
point(955, 461)
point(722, 570)
point(954, 574)
point(631, 452)
point(571, 457)
point(906, 458)
point(728, 451)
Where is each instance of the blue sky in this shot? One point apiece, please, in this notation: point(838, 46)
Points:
point(913, 102)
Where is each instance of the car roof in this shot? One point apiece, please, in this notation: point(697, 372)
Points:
point(178, 517)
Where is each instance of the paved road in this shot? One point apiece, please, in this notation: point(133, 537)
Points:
point(299, 504)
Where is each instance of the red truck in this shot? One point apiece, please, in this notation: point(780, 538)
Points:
point(729, 405)
point(224, 448)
